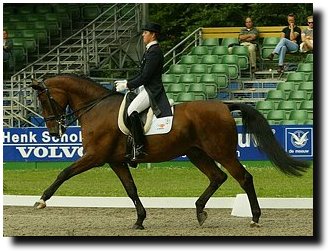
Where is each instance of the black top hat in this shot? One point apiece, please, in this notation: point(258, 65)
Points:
point(153, 27)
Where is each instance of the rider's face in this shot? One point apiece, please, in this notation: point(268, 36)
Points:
point(148, 37)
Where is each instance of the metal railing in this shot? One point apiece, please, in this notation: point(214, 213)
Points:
point(110, 31)
point(173, 56)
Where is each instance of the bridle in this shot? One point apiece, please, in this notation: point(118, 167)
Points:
point(58, 113)
point(56, 110)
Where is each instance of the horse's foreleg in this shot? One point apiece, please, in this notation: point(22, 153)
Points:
point(126, 178)
point(217, 177)
point(81, 165)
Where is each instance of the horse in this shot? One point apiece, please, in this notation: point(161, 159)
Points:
point(204, 131)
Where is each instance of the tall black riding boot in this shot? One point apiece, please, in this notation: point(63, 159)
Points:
point(138, 136)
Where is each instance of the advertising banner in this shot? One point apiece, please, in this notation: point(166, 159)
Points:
point(35, 144)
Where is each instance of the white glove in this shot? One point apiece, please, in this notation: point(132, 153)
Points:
point(121, 85)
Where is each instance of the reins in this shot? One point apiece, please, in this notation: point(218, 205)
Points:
point(86, 108)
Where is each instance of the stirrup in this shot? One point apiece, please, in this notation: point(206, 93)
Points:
point(138, 153)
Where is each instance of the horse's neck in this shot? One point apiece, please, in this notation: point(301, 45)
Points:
point(84, 94)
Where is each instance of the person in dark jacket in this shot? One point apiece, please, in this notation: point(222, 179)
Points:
point(150, 87)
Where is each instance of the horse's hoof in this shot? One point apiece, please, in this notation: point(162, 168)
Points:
point(136, 226)
point(254, 224)
point(40, 204)
point(201, 217)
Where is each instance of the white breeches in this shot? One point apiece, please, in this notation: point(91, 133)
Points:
point(140, 103)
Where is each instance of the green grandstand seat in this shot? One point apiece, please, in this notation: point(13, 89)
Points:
point(306, 86)
point(296, 76)
point(210, 42)
point(169, 78)
point(65, 19)
point(185, 97)
point(211, 90)
point(176, 88)
point(90, 11)
point(187, 78)
point(305, 67)
point(43, 8)
point(299, 115)
point(211, 85)
point(264, 106)
point(30, 45)
point(210, 59)
point(200, 50)
point(18, 42)
point(287, 106)
point(220, 51)
point(34, 17)
point(276, 96)
point(26, 9)
point(24, 25)
point(189, 59)
point(309, 58)
point(178, 69)
point(276, 116)
point(198, 69)
point(243, 56)
point(221, 71)
point(233, 66)
point(267, 47)
point(286, 87)
point(199, 91)
point(298, 96)
point(16, 18)
point(306, 105)
point(29, 34)
point(229, 41)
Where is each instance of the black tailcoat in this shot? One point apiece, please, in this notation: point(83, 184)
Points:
point(151, 77)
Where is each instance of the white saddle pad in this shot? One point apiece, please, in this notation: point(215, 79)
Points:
point(153, 124)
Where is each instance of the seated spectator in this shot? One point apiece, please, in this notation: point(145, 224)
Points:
point(7, 46)
point(307, 36)
point(290, 40)
point(249, 37)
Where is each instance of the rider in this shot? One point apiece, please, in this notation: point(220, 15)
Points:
point(150, 87)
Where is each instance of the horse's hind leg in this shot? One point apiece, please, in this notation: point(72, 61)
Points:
point(217, 177)
point(126, 179)
point(83, 164)
point(245, 179)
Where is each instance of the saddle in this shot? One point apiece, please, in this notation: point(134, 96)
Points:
point(151, 124)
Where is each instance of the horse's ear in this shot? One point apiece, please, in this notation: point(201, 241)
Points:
point(36, 85)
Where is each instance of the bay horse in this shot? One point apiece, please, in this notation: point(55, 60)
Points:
point(204, 131)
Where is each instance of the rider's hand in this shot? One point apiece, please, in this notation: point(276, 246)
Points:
point(121, 85)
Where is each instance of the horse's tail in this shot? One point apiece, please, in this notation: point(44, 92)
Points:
point(255, 123)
